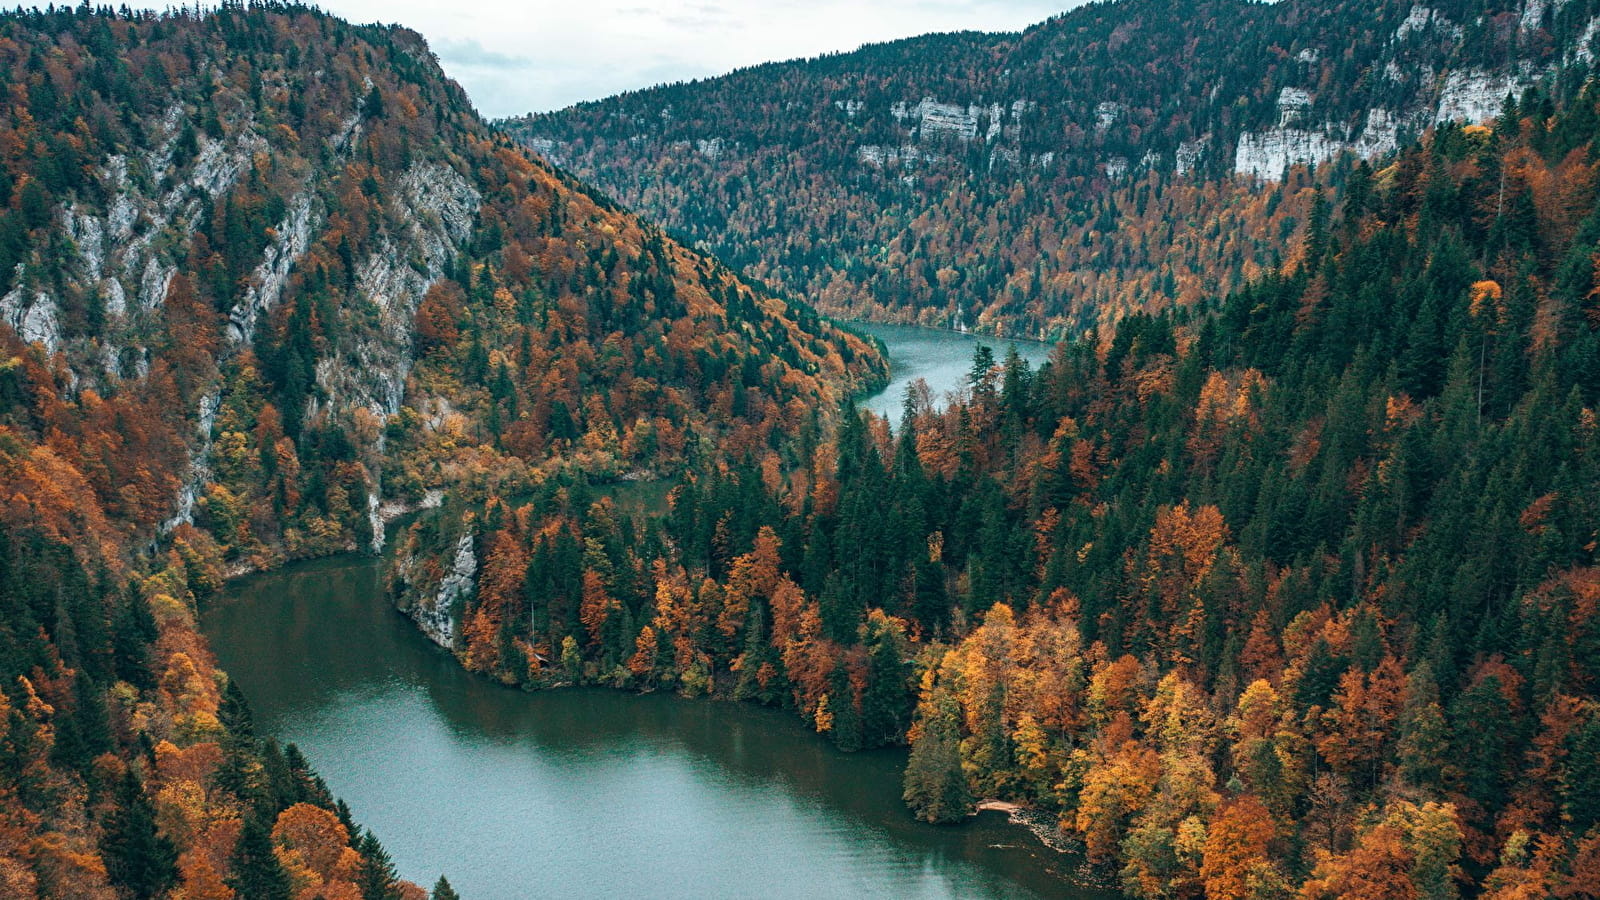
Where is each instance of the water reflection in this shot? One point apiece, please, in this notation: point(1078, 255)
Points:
point(585, 793)
point(942, 358)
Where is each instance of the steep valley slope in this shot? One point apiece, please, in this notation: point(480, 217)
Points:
point(1119, 157)
point(265, 280)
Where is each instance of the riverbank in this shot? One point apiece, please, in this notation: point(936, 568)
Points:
point(462, 774)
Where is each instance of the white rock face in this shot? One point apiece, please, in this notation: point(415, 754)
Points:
point(217, 167)
point(435, 616)
point(1190, 153)
point(1116, 167)
point(935, 119)
point(1532, 18)
point(1583, 48)
point(885, 157)
point(441, 208)
point(1417, 21)
point(272, 275)
point(210, 403)
point(1292, 106)
point(710, 149)
point(1475, 95)
point(1380, 136)
point(1423, 19)
point(154, 283)
point(34, 318)
point(1267, 154)
point(547, 148)
point(375, 519)
point(1106, 114)
point(88, 234)
point(997, 118)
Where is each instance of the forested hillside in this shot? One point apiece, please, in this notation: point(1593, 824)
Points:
point(266, 280)
point(1288, 594)
point(1109, 160)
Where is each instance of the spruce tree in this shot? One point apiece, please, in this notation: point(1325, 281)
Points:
point(256, 872)
point(139, 860)
point(377, 878)
point(935, 786)
point(1580, 786)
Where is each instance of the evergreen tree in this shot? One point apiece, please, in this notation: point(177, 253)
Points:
point(1580, 787)
point(935, 786)
point(256, 872)
point(885, 702)
point(377, 878)
point(139, 860)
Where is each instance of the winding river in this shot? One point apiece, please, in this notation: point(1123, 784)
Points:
point(589, 793)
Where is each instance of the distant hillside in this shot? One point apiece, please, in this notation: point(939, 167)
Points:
point(1295, 594)
point(1109, 159)
point(266, 279)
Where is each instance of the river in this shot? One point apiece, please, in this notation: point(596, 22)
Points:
point(943, 358)
point(598, 793)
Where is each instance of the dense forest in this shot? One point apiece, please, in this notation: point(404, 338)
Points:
point(1293, 593)
point(267, 281)
point(1037, 183)
point(1286, 589)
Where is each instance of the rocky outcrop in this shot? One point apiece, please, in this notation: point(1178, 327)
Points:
point(440, 208)
point(290, 241)
point(436, 607)
point(1267, 154)
point(1474, 95)
point(34, 316)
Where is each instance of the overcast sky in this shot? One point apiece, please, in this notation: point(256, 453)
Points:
point(516, 57)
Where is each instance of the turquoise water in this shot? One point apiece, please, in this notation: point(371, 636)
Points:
point(586, 793)
point(942, 358)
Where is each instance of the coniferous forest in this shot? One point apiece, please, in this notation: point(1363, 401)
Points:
point(1288, 588)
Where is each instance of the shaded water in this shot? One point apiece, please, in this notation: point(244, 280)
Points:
point(585, 793)
point(942, 358)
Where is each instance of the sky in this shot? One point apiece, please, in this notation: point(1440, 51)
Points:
point(536, 55)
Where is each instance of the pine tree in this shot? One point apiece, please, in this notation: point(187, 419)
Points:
point(141, 861)
point(846, 728)
point(935, 786)
point(443, 891)
point(377, 877)
point(1580, 787)
point(257, 874)
point(885, 702)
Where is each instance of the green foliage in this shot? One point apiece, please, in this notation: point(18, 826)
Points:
point(935, 786)
point(256, 872)
point(139, 860)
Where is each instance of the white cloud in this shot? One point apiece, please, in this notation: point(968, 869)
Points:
point(546, 54)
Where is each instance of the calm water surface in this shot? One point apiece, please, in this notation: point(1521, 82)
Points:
point(586, 793)
point(943, 358)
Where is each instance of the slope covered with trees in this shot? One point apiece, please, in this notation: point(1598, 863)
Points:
point(265, 280)
point(1106, 161)
point(1292, 594)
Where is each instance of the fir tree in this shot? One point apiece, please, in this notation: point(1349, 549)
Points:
point(139, 860)
point(256, 872)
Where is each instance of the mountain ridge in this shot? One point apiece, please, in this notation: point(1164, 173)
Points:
point(982, 185)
